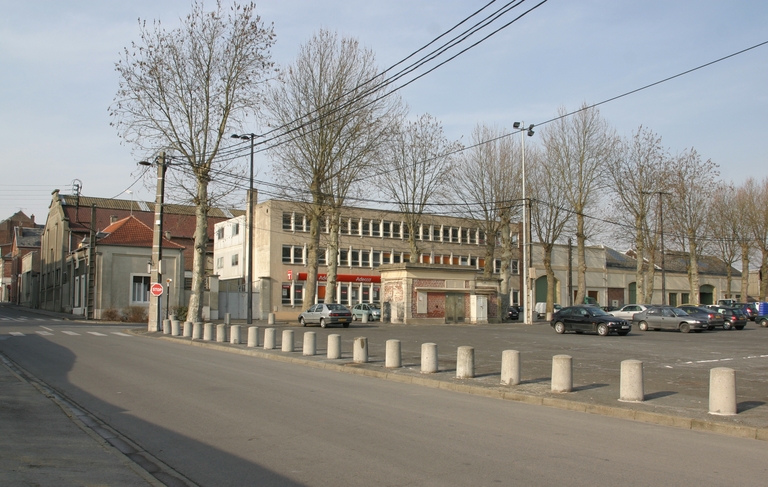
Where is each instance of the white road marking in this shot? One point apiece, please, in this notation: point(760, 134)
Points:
point(96, 333)
point(44, 333)
point(120, 333)
point(46, 328)
point(17, 334)
point(72, 333)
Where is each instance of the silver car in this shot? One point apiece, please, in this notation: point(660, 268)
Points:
point(628, 311)
point(668, 317)
point(373, 311)
point(326, 314)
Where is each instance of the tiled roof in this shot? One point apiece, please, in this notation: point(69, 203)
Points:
point(28, 237)
point(133, 233)
point(616, 259)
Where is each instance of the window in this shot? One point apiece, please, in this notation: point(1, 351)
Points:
point(287, 221)
point(473, 236)
point(446, 234)
point(473, 262)
point(298, 222)
point(343, 226)
point(396, 230)
point(235, 229)
point(376, 229)
point(322, 258)
point(298, 293)
point(387, 232)
point(220, 263)
point(140, 289)
point(454, 235)
point(219, 233)
point(293, 254)
point(365, 258)
point(286, 296)
point(354, 227)
point(386, 258)
point(235, 259)
point(355, 258)
point(482, 237)
point(407, 231)
point(435, 233)
point(324, 226)
point(343, 257)
point(515, 240)
point(376, 258)
point(366, 228)
point(465, 235)
point(496, 265)
point(516, 267)
point(286, 254)
point(463, 260)
point(396, 258)
point(298, 255)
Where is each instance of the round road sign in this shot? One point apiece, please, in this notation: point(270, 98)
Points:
point(156, 289)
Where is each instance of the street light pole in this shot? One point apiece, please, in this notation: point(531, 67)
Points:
point(527, 298)
point(156, 268)
point(249, 218)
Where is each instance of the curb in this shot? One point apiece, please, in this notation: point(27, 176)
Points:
point(659, 419)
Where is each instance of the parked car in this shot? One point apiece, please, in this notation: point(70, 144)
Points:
point(513, 312)
point(583, 318)
point(749, 309)
point(714, 319)
point(668, 317)
point(372, 310)
point(541, 309)
point(762, 320)
point(326, 314)
point(732, 317)
point(628, 311)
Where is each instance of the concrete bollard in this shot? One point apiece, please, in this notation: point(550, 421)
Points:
point(428, 358)
point(287, 342)
point(197, 331)
point(364, 319)
point(510, 367)
point(271, 319)
point(360, 351)
point(221, 333)
point(208, 332)
point(166, 327)
point(175, 328)
point(234, 335)
point(562, 373)
point(172, 316)
point(253, 336)
point(465, 363)
point(394, 358)
point(722, 391)
point(269, 339)
point(631, 386)
point(310, 343)
point(334, 346)
point(227, 318)
point(188, 326)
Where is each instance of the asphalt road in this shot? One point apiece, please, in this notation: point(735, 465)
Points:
point(224, 419)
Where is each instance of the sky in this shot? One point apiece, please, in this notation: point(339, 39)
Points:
point(57, 78)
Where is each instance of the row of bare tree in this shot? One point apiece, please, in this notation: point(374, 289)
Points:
point(338, 132)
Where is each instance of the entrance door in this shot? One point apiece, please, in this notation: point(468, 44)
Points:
point(454, 308)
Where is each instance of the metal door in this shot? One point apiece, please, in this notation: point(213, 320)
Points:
point(454, 308)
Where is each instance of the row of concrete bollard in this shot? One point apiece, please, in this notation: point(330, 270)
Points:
point(722, 383)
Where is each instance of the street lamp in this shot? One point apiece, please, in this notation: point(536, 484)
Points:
point(154, 316)
point(249, 217)
point(527, 298)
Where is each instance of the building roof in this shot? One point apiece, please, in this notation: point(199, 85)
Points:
point(132, 233)
point(28, 237)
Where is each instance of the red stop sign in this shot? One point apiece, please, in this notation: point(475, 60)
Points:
point(156, 289)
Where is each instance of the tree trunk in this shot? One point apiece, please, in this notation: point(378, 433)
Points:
point(414, 257)
point(313, 246)
point(764, 275)
point(550, 277)
point(581, 259)
point(195, 307)
point(490, 247)
point(333, 259)
point(640, 254)
point(744, 272)
point(693, 270)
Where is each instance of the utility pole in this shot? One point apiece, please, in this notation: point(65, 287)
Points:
point(527, 294)
point(569, 279)
point(156, 264)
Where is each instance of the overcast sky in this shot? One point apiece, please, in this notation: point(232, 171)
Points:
point(57, 77)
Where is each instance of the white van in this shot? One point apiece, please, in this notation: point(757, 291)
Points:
point(541, 309)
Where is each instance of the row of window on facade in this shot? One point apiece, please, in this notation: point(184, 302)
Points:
point(234, 260)
point(349, 257)
point(234, 231)
point(296, 222)
point(348, 294)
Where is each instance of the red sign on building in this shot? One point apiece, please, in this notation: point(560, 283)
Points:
point(156, 289)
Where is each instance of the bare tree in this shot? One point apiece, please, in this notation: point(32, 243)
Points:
point(338, 123)
point(415, 171)
point(691, 182)
point(723, 228)
point(487, 186)
point(637, 177)
point(549, 214)
point(579, 148)
point(743, 234)
point(757, 216)
point(183, 90)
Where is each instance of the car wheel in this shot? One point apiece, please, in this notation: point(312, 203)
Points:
point(560, 327)
point(354, 317)
point(764, 323)
point(685, 327)
point(302, 322)
point(602, 329)
point(740, 327)
point(322, 323)
point(370, 317)
point(346, 325)
point(643, 326)
point(726, 326)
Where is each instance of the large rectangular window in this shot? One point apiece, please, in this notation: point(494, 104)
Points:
point(287, 251)
point(354, 227)
point(376, 228)
point(355, 258)
point(446, 234)
point(298, 222)
point(343, 257)
point(140, 289)
point(286, 296)
point(395, 230)
point(387, 232)
point(435, 233)
point(365, 258)
point(366, 228)
point(298, 255)
point(322, 257)
point(344, 226)
point(376, 258)
point(515, 267)
point(287, 221)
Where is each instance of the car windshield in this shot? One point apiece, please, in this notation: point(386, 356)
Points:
point(596, 312)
